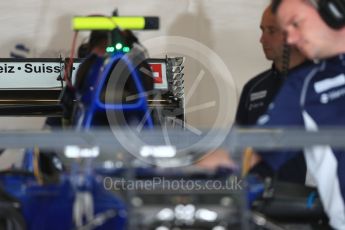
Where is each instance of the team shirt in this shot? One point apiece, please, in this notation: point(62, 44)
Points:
point(257, 94)
point(314, 97)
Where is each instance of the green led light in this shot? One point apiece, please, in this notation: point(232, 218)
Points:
point(118, 46)
point(125, 49)
point(110, 49)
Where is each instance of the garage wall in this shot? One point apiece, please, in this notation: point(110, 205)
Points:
point(229, 28)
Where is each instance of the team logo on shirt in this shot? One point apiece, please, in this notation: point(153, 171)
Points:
point(263, 119)
point(330, 83)
point(258, 95)
point(255, 105)
point(331, 96)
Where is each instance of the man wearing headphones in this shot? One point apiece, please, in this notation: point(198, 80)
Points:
point(315, 27)
point(261, 90)
point(315, 96)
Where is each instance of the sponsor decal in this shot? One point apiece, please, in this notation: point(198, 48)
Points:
point(329, 83)
point(258, 95)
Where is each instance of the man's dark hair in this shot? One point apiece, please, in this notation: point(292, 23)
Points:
point(83, 50)
point(275, 5)
point(97, 37)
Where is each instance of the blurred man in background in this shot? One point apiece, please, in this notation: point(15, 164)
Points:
point(261, 90)
point(259, 93)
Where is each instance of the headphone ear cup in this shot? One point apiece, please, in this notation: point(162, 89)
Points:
point(332, 12)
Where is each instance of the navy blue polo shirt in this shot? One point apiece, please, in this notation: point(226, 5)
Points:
point(256, 95)
point(312, 98)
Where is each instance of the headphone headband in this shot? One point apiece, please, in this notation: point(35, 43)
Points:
point(331, 11)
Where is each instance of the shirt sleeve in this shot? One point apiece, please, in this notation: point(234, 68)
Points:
point(241, 114)
point(283, 112)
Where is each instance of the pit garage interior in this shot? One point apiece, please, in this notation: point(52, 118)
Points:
point(143, 136)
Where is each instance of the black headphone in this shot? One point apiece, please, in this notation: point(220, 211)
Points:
point(331, 11)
